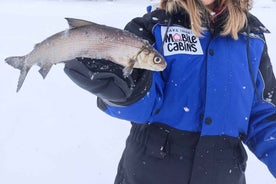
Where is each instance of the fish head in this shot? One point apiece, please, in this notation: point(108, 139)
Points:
point(148, 58)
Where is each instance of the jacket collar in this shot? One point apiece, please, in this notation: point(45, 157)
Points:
point(181, 17)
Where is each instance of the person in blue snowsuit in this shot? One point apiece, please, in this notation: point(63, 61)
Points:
point(190, 121)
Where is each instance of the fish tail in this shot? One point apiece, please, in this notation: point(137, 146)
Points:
point(18, 63)
point(23, 74)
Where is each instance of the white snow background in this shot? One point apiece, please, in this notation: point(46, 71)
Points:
point(51, 132)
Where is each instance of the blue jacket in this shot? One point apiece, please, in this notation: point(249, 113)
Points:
point(213, 84)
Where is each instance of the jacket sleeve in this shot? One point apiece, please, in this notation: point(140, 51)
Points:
point(106, 80)
point(261, 137)
point(141, 110)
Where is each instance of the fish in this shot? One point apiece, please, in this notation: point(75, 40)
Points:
point(86, 39)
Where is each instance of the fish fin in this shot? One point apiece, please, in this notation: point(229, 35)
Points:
point(44, 70)
point(37, 45)
point(16, 61)
point(128, 69)
point(74, 23)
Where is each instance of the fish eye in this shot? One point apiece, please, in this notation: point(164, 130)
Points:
point(157, 60)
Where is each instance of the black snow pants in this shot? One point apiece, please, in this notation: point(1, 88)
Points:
point(158, 154)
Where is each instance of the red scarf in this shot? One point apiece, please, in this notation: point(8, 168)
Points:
point(215, 13)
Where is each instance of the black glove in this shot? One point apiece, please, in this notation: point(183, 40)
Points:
point(105, 79)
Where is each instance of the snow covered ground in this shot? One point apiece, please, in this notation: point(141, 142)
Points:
point(51, 131)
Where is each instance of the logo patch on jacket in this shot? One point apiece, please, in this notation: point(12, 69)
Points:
point(180, 40)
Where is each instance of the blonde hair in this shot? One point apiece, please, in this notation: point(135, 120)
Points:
point(235, 21)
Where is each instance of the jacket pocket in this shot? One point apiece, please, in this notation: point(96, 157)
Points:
point(157, 143)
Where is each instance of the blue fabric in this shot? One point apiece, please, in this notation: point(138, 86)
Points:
point(218, 87)
point(149, 8)
point(211, 93)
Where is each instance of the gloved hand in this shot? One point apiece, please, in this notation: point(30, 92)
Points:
point(105, 79)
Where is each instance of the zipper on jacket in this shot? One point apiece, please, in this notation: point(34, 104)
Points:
point(165, 36)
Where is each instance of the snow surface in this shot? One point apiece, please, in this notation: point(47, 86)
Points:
point(51, 131)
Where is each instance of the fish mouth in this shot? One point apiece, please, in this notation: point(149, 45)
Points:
point(160, 67)
point(163, 65)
